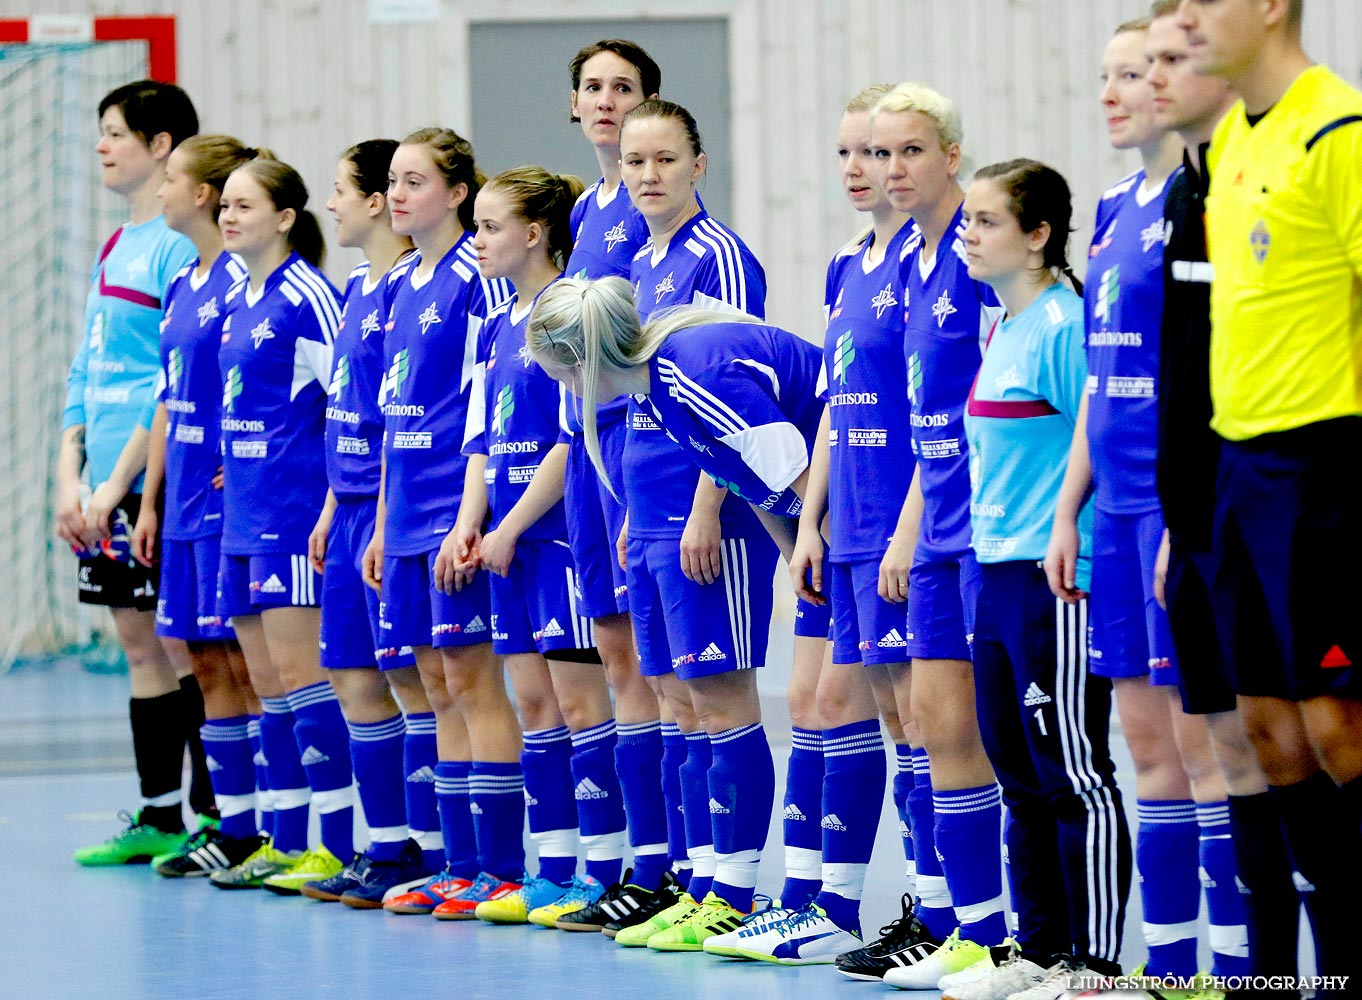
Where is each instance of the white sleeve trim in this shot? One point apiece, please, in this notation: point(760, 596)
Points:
point(776, 453)
point(312, 362)
point(477, 405)
point(703, 403)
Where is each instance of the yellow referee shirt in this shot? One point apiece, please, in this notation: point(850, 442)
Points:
point(1284, 233)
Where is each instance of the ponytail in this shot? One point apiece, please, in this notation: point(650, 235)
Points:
point(305, 238)
point(1037, 195)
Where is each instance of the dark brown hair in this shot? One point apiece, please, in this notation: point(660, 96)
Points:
point(1038, 194)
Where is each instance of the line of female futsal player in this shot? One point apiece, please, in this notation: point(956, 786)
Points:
point(379, 504)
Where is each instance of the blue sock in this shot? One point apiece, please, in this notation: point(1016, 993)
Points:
point(376, 754)
point(288, 781)
point(264, 799)
point(934, 896)
point(324, 744)
point(969, 823)
point(853, 795)
point(902, 788)
point(695, 802)
point(1166, 859)
point(742, 790)
point(547, 763)
point(803, 836)
point(675, 752)
point(600, 803)
point(638, 762)
point(229, 766)
point(1224, 906)
point(419, 757)
point(497, 801)
point(456, 818)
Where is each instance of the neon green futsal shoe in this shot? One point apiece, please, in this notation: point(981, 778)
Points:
point(189, 843)
point(638, 935)
point(712, 917)
point(252, 872)
point(314, 866)
point(137, 843)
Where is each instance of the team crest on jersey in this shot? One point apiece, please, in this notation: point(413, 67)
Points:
point(1009, 379)
point(614, 237)
point(1261, 241)
point(428, 318)
point(208, 312)
point(139, 267)
point(883, 300)
point(501, 412)
point(1151, 236)
point(262, 332)
point(368, 325)
point(843, 355)
point(663, 287)
point(942, 309)
point(1108, 292)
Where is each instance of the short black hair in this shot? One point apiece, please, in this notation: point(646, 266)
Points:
point(649, 74)
point(150, 107)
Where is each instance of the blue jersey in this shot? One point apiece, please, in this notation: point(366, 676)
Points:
point(864, 384)
point(430, 349)
point(190, 386)
point(514, 418)
point(704, 264)
point(1020, 421)
point(1123, 301)
point(607, 230)
point(275, 362)
point(947, 317)
point(741, 398)
point(354, 422)
point(111, 384)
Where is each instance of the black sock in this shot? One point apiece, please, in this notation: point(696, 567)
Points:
point(158, 746)
point(201, 798)
point(1326, 850)
point(1352, 795)
point(1271, 903)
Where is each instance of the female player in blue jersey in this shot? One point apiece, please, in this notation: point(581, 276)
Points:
point(185, 454)
point(275, 363)
point(512, 526)
point(437, 306)
point(1113, 459)
point(383, 751)
point(609, 79)
point(1044, 720)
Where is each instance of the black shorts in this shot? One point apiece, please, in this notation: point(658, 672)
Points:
point(1203, 677)
point(1287, 549)
point(113, 578)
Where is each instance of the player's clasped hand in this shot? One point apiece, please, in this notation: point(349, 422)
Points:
point(458, 560)
point(497, 551)
point(97, 512)
point(898, 559)
point(806, 566)
point(700, 541)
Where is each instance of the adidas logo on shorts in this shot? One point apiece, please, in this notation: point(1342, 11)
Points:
point(313, 756)
point(476, 625)
point(792, 813)
point(211, 764)
point(588, 789)
point(716, 809)
point(273, 585)
point(1206, 881)
point(831, 822)
point(422, 774)
point(552, 628)
point(1035, 696)
point(893, 639)
point(530, 800)
point(713, 652)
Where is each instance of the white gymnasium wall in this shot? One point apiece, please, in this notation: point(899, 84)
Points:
point(308, 77)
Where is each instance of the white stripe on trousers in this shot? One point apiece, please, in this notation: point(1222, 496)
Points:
point(733, 566)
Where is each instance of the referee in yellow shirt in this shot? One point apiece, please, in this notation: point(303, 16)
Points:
point(1284, 234)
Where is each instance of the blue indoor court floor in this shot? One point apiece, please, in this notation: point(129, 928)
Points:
point(67, 932)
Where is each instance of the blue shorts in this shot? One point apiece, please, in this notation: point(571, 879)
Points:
point(534, 610)
point(1128, 634)
point(248, 585)
point(865, 627)
point(812, 621)
point(350, 634)
point(594, 520)
point(413, 613)
point(943, 592)
point(701, 629)
point(187, 607)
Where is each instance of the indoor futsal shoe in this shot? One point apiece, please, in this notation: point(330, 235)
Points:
point(905, 941)
point(252, 872)
point(204, 823)
point(1057, 982)
point(809, 937)
point(955, 955)
point(1015, 975)
point(136, 844)
point(581, 894)
point(330, 890)
point(437, 889)
point(381, 877)
point(993, 958)
point(638, 905)
point(210, 850)
point(713, 916)
point(514, 907)
point(726, 945)
point(637, 935)
point(483, 889)
point(617, 902)
point(313, 865)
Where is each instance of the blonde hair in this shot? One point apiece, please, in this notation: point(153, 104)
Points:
point(932, 105)
point(585, 325)
point(535, 195)
point(868, 98)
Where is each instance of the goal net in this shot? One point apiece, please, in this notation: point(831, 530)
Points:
point(54, 216)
